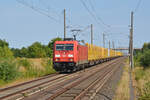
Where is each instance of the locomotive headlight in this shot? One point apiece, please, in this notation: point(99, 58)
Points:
point(57, 55)
point(70, 55)
point(71, 59)
point(57, 59)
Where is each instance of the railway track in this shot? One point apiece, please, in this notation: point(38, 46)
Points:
point(20, 88)
point(7, 88)
point(67, 90)
point(51, 85)
point(83, 88)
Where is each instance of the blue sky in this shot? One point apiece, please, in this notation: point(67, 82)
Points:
point(21, 26)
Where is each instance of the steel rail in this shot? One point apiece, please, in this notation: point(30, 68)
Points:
point(24, 83)
point(31, 87)
point(18, 92)
point(76, 83)
point(106, 75)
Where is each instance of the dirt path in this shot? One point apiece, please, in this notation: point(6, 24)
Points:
point(132, 96)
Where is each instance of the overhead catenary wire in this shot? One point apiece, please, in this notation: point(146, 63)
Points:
point(90, 12)
point(99, 18)
point(95, 16)
point(37, 10)
point(49, 8)
point(138, 6)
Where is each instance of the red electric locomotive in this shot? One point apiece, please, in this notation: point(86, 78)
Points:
point(69, 56)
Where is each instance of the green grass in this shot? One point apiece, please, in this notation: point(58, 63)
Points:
point(139, 74)
point(10, 70)
point(142, 78)
point(25, 63)
point(145, 92)
point(48, 67)
point(35, 72)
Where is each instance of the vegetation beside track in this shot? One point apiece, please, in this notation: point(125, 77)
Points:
point(22, 69)
point(25, 63)
point(122, 92)
point(141, 72)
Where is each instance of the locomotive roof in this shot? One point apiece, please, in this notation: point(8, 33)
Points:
point(74, 41)
point(66, 41)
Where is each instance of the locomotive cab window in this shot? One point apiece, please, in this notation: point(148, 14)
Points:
point(64, 47)
point(68, 46)
point(59, 46)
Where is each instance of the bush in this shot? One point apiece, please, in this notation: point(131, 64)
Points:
point(8, 70)
point(5, 52)
point(145, 59)
point(137, 58)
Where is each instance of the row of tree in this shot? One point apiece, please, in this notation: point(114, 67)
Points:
point(4, 49)
point(143, 56)
point(36, 50)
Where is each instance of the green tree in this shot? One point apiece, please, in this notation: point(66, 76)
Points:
point(51, 43)
point(4, 49)
point(146, 46)
point(16, 52)
point(24, 52)
point(48, 51)
point(145, 59)
point(36, 50)
point(3, 43)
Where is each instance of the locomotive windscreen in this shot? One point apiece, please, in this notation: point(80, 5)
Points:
point(64, 47)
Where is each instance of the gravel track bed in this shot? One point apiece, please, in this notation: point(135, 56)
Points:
point(54, 86)
point(73, 92)
point(108, 90)
point(43, 95)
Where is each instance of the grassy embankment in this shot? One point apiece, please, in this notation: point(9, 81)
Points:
point(14, 71)
point(141, 80)
point(141, 83)
point(122, 92)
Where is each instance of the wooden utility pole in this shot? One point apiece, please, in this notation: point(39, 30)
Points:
point(131, 42)
point(91, 33)
point(103, 40)
point(64, 24)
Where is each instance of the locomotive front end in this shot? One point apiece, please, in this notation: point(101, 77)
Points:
point(64, 56)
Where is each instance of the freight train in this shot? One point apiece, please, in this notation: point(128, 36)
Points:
point(70, 55)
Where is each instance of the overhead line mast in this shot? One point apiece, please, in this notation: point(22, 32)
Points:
point(131, 42)
point(91, 33)
point(64, 24)
point(104, 40)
